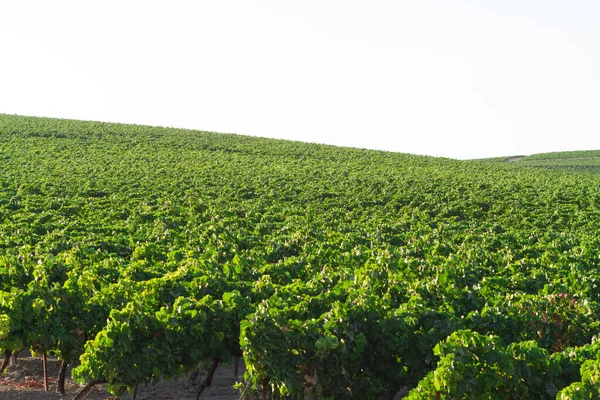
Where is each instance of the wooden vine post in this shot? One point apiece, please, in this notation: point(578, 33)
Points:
point(45, 361)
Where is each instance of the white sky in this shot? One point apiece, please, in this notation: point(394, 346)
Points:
point(453, 78)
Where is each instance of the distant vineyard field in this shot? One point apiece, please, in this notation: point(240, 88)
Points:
point(566, 155)
point(585, 161)
point(137, 253)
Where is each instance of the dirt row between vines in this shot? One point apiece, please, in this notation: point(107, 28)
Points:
point(26, 382)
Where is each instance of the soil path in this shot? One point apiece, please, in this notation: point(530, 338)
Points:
point(25, 382)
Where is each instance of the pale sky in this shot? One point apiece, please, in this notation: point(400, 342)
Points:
point(452, 78)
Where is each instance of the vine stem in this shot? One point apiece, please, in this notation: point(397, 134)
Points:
point(13, 358)
point(236, 367)
point(6, 362)
point(87, 388)
point(209, 376)
point(62, 372)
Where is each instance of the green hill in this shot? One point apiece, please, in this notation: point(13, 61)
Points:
point(138, 253)
point(585, 161)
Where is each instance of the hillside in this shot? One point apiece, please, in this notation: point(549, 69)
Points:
point(136, 253)
point(584, 161)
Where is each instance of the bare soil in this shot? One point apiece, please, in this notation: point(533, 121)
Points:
point(26, 382)
point(514, 159)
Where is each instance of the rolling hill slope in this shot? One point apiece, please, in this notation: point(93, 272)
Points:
point(585, 161)
point(141, 252)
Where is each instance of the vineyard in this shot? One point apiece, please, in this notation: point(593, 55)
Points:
point(585, 161)
point(138, 254)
